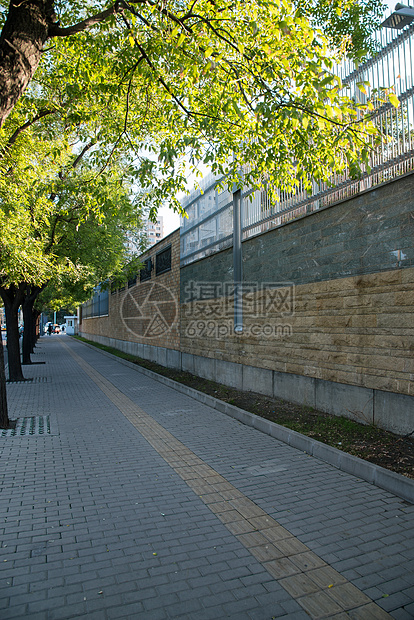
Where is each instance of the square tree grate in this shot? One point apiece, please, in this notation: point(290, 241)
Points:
point(36, 425)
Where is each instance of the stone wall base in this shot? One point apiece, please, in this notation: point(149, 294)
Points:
point(387, 410)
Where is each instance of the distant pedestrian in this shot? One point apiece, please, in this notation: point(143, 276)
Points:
point(50, 329)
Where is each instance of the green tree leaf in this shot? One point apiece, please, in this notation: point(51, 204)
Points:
point(394, 100)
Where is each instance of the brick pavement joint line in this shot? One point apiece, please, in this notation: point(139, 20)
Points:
point(319, 589)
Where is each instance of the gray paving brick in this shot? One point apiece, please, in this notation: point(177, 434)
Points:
point(98, 604)
point(272, 610)
point(30, 578)
point(152, 581)
point(198, 593)
point(35, 596)
point(213, 613)
point(259, 577)
point(291, 607)
point(219, 598)
point(184, 609)
point(44, 605)
point(395, 585)
point(409, 592)
point(401, 614)
point(351, 575)
point(394, 601)
point(126, 610)
point(97, 615)
point(15, 611)
point(396, 548)
point(240, 606)
point(408, 553)
point(4, 603)
point(165, 601)
point(372, 581)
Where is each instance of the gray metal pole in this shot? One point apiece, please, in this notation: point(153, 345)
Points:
point(237, 262)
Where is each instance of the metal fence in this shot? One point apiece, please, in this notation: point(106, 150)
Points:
point(98, 305)
point(209, 227)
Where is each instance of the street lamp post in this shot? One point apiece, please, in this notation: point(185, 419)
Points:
point(402, 16)
point(237, 260)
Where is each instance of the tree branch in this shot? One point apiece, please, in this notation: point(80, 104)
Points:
point(27, 124)
point(57, 31)
point(74, 165)
point(81, 154)
point(52, 235)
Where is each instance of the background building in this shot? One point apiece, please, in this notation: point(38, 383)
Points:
point(155, 230)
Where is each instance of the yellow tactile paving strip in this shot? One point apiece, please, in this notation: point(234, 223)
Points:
point(319, 589)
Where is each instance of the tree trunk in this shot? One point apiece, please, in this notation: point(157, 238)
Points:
point(36, 328)
point(27, 332)
point(21, 47)
point(12, 299)
point(4, 415)
point(29, 337)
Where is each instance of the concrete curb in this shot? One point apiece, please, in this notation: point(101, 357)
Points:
point(385, 479)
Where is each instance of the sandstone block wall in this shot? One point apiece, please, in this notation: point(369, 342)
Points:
point(357, 330)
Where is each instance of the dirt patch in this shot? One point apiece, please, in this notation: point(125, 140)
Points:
point(377, 446)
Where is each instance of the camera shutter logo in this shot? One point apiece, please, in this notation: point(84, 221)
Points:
point(149, 310)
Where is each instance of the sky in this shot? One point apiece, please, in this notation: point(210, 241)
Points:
point(172, 220)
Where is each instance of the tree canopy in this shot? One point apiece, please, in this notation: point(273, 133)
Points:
point(66, 221)
point(220, 82)
point(60, 215)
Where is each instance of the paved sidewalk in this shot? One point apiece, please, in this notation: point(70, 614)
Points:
point(143, 503)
